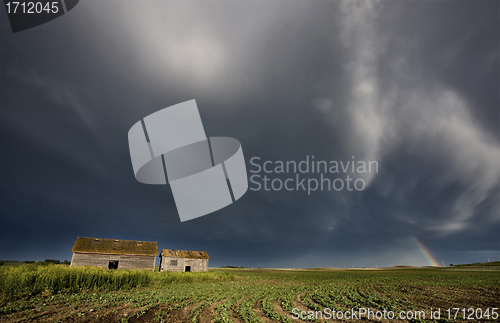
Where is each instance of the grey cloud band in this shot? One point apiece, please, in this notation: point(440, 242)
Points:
point(205, 174)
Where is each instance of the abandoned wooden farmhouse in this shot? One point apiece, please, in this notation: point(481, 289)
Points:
point(183, 260)
point(114, 254)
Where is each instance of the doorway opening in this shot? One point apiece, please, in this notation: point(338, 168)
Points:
point(113, 264)
point(187, 269)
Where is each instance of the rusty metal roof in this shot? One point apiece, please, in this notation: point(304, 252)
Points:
point(111, 246)
point(184, 253)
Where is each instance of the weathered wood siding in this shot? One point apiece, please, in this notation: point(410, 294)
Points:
point(124, 261)
point(180, 263)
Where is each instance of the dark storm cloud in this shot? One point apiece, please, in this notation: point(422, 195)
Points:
point(410, 85)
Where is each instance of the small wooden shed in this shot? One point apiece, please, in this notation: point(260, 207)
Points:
point(114, 254)
point(183, 260)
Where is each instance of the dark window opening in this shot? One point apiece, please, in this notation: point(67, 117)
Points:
point(187, 269)
point(113, 264)
point(173, 262)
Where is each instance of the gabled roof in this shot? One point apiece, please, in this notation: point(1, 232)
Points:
point(120, 247)
point(184, 253)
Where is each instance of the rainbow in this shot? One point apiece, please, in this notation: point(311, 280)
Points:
point(427, 254)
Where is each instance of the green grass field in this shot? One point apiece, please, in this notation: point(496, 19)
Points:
point(57, 293)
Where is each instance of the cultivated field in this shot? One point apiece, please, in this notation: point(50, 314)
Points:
point(57, 293)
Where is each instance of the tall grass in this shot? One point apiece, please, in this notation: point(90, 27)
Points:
point(28, 280)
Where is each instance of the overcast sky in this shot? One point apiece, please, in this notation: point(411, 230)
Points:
point(412, 85)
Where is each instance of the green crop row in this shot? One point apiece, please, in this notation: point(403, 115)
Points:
point(250, 295)
point(31, 280)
